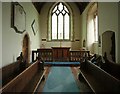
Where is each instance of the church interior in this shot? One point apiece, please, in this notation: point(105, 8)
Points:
point(63, 47)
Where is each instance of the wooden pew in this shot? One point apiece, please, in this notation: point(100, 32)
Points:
point(28, 80)
point(111, 67)
point(99, 80)
point(10, 71)
point(96, 59)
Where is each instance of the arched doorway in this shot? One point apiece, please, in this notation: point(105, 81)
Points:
point(108, 44)
point(26, 49)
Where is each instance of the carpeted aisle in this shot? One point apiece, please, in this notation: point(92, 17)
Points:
point(62, 63)
point(60, 79)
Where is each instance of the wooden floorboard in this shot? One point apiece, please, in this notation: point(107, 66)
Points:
point(41, 85)
point(84, 87)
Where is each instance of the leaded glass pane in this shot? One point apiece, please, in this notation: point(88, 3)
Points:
point(63, 12)
point(54, 26)
point(66, 9)
point(96, 28)
point(54, 9)
point(60, 6)
point(60, 26)
point(67, 28)
point(57, 12)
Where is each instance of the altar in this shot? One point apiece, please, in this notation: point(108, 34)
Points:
point(60, 53)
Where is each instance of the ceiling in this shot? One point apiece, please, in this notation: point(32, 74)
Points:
point(80, 5)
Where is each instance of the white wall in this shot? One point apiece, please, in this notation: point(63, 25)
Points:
point(76, 27)
point(0, 34)
point(118, 42)
point(0, 44)
point(108, 20)
point(12, 41)
point(87, 28)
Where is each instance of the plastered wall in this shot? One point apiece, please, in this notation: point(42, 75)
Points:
point(12, 41)
point(0, 34)
point(107, 21)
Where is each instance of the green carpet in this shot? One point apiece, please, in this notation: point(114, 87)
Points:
point(62, 63)
point(61, 79)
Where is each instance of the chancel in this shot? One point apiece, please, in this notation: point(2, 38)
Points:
point(63, 47)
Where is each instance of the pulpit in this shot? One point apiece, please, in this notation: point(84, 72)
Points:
point(60, 53)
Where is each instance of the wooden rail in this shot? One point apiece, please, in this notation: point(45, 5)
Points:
point(78, 55)
point(47, 55)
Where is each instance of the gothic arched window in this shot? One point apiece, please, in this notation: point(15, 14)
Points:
point(60, 22)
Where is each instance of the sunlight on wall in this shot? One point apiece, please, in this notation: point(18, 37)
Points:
point(0, 34)
point(91, 29)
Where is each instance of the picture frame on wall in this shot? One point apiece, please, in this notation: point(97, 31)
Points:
point(33, 26)
point(18, 17)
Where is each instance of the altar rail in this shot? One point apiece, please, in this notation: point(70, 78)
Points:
point(78, 55)
point(47, 55)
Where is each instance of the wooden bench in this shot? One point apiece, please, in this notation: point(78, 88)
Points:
point(111, 68)
point(28, 80)
point(10, 71)
point(98, 79)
